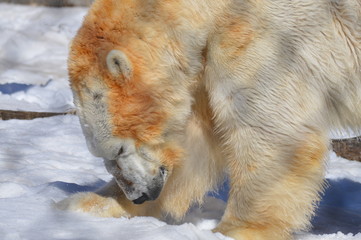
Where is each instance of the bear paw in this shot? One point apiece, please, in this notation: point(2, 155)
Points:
point(93, 204)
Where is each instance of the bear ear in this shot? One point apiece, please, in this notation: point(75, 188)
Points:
point(118, 64)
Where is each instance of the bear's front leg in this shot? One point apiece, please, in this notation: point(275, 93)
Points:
point(274, 186)
point(109, 201)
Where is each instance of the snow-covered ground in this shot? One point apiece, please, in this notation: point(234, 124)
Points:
point(45, 160)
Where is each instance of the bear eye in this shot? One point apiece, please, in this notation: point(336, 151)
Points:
point(162, 170)
point(121, 151)
point(97, 96)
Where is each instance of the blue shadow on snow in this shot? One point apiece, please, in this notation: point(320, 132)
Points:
point(10, 88)
point(74, 188)
point(340, 208)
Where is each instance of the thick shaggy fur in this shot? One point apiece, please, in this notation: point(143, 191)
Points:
point(244, 88)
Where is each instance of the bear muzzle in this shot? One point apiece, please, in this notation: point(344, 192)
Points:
point(138, 186)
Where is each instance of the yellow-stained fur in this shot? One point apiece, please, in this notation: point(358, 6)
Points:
point(204, 89)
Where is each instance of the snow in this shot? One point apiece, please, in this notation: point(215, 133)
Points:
point(43, 161)
point(34, 44)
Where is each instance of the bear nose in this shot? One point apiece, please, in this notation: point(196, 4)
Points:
point(141, 199)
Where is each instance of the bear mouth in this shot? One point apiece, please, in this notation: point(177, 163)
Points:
point(141, 199)
point(141, 191)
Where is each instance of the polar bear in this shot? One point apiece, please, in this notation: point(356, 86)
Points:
point(176, 95)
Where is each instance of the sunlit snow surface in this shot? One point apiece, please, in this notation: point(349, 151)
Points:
point(33, 50)
point(45, 160)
